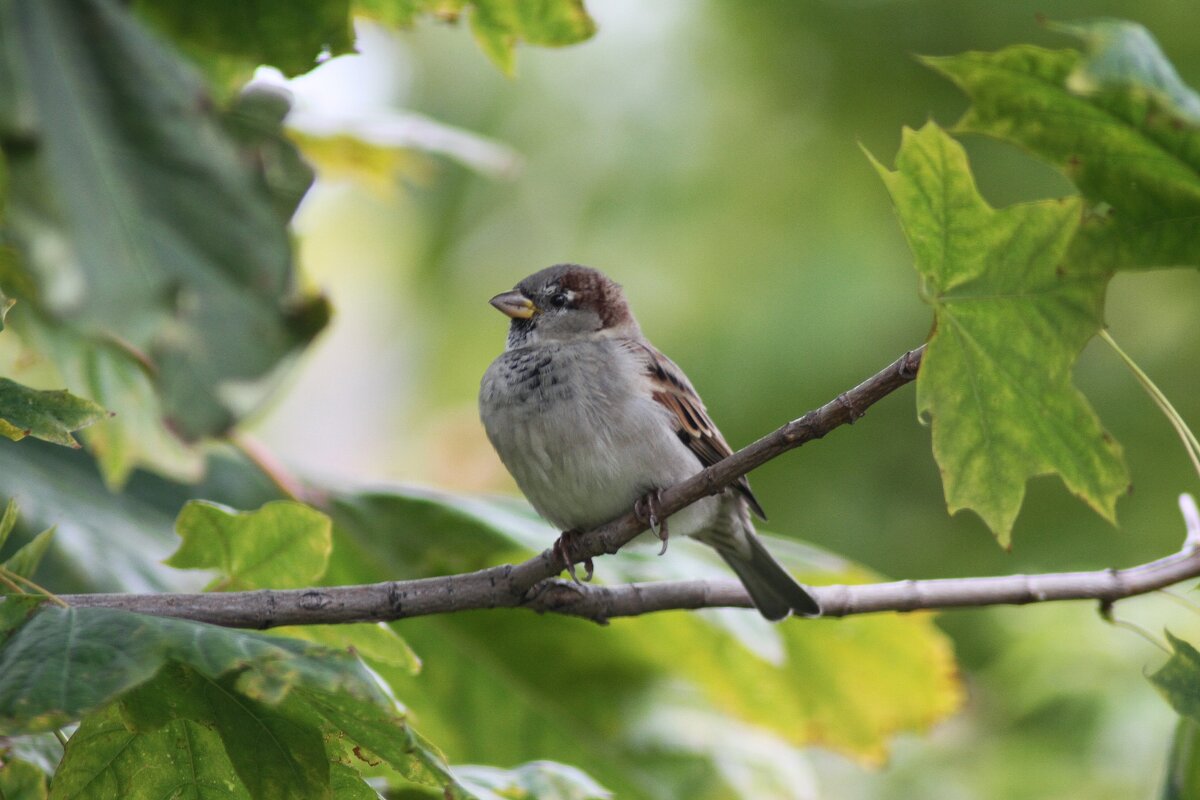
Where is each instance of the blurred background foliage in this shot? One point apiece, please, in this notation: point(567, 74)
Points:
point(706, 155)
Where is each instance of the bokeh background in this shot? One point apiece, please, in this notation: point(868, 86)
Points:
point(708, 156)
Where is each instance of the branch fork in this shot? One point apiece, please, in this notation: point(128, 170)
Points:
point(534, 584)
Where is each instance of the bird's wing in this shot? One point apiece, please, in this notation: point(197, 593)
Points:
point(671, 389)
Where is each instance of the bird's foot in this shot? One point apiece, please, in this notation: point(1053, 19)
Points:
point(564, 548)
point(648, 510)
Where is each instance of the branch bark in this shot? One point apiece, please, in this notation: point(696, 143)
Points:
point(533, 585)
point(492, 588)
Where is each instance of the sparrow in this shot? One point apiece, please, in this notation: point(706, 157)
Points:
point(592, 420)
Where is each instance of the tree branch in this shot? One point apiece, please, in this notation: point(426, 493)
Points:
point(492, 588)
point(533, 585)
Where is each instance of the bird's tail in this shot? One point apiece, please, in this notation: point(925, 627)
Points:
point(775, 592)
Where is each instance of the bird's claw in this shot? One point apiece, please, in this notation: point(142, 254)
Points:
point(648, 509)
point(563, 550)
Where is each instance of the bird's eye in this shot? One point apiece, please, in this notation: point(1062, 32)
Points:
point(559, 300)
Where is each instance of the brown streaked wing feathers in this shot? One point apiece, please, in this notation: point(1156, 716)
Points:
point(694, 427)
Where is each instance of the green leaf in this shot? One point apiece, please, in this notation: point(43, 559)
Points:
point(8, 521)
point(486, 672)
point(48, 415)
point(1178, 680)
point(25, 561)
point(283, 545)
point(64, 663)
point(1116, 124)
point(20, 780)
point(288, 36)
point(384, 733)
point(847, 685)
point(254, 120)
point(347, 784)
point(996, 377)
point(274, 755)
point(117, 378)
point(1183, 764)
point(15, 611)
point(497, 25)
point(61, 489)
point(376, 643)
point(105, 759)
point(141, 219)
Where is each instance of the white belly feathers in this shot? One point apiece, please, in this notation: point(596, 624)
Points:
point(581, 456)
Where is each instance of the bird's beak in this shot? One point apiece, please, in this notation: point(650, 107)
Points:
point(514, 304)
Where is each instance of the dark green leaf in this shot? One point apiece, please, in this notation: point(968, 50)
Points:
point(274, 755)
point(289, 36)
point(48, 415)
point(1183, 765)
point(254, 120)
point(64, 663)
point(1179, 679)
point(25, 561)
point(105, 760)
point(283, 545)
point(61, 489)
point(498, 25)
point(1125, 141)
point(996, 378)
point(15, 611)
point(163, 235)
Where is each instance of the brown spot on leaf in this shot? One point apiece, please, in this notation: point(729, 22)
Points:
point(358, 753)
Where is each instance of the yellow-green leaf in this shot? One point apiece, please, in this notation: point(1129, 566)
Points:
point(497, 25)
point(847, 684)
point(1009, 323)
point(375, 642)
point(283, 545)
point(20, 780)
point(25, 561)
point(105, 759)
point(48, 415)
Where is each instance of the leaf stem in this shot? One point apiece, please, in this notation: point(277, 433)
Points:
point(11, 578)
point(1190, 444)
point(1140, 631)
